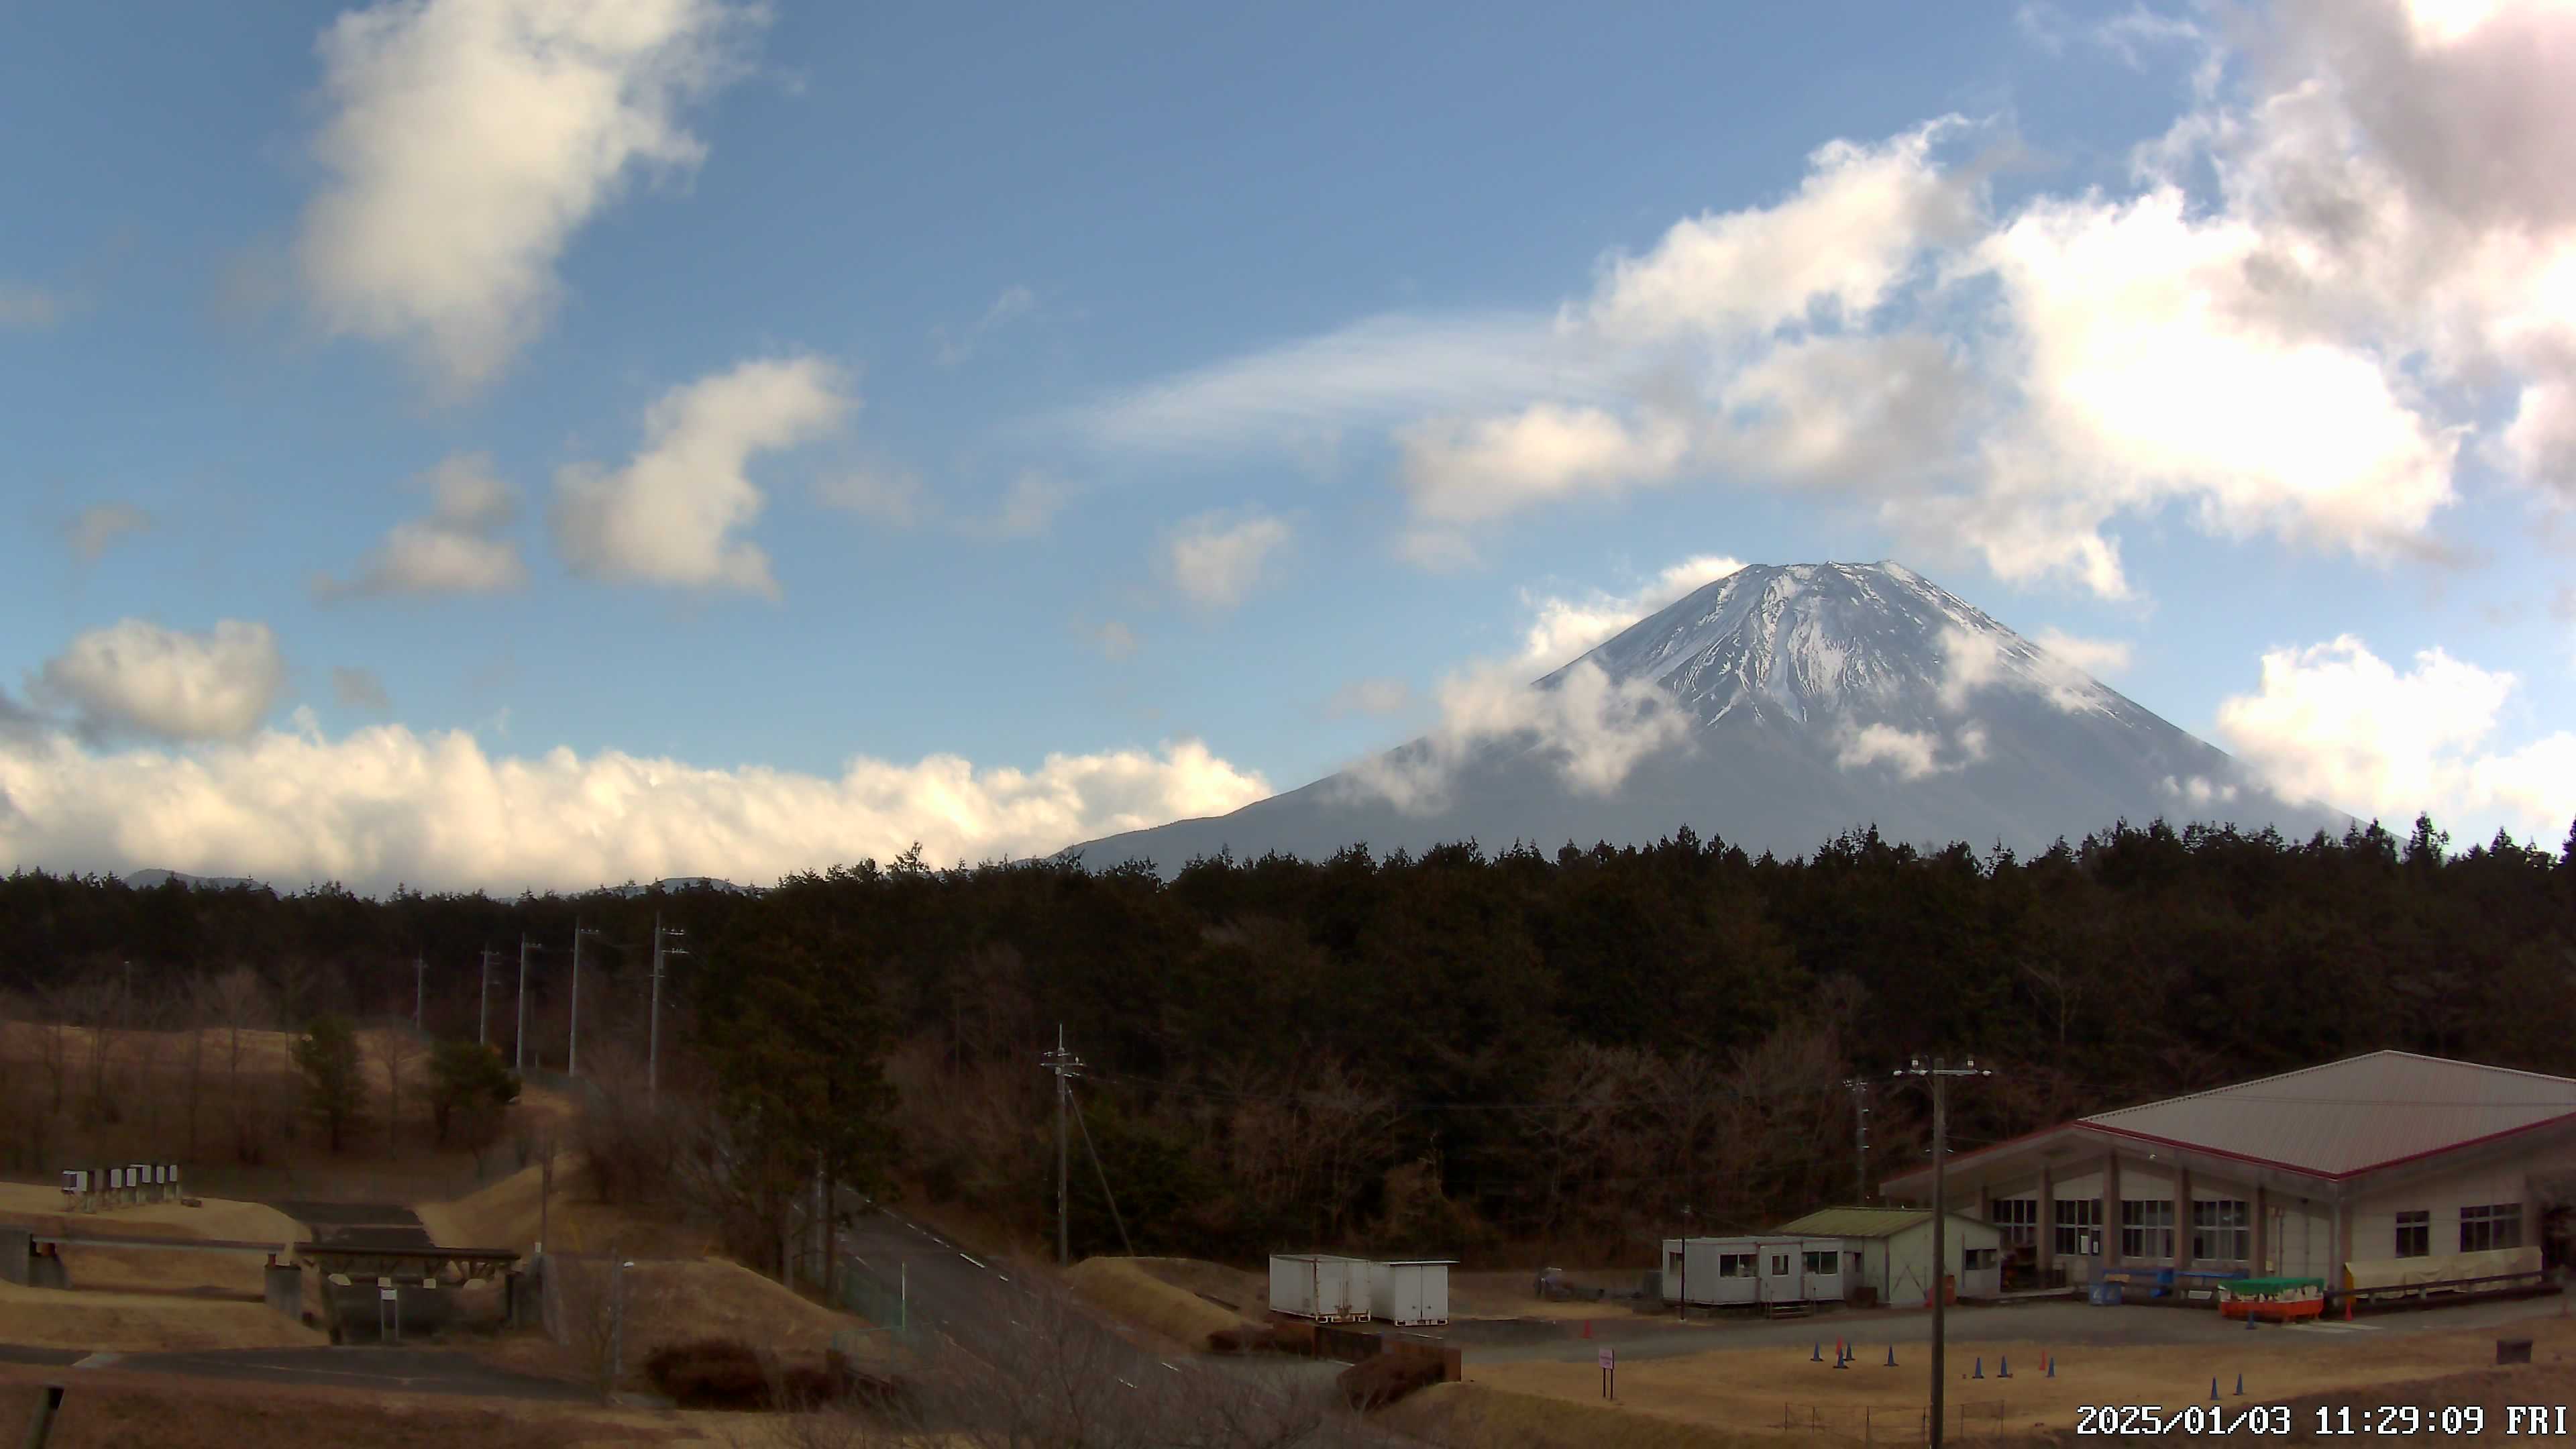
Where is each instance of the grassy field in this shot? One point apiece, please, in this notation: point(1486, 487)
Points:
point(1129, 1289)
point(1761, 1390)
point(514, 1212)
point(109, 1410)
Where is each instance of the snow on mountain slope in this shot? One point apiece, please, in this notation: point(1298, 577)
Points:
point(1773, 708)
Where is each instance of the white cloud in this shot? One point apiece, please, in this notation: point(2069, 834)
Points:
point(1842, 242)
point(2093, 656)
point(455, 550)
point(952, 350)
point(470, 139)
point(135, 676)
point(97, 528)
point(359, 688)
point(1912, 754)
point(1565, 628)
point(2349, 262)
point(1592, 730)
point(2199, 790)
point(2336, 725)
point(1464, 470)
point(882, 493)
point(1216, 559)
point(668, 517)
point(384, 804)
point(1030, 504)
point(25, 308)
point(1371, 696)
point(1380, 370)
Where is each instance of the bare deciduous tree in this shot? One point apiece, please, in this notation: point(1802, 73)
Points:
point(239, 1001)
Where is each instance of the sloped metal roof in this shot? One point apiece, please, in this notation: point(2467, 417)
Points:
point(1859, 1222)
point(2353, 1115)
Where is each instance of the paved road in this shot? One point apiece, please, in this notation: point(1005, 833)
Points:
point(386, 1370)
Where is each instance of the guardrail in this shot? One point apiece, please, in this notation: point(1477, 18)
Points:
point(2421, 1295)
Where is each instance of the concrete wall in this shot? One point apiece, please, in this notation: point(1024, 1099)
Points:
point(282, 1288)
point(17, 1253)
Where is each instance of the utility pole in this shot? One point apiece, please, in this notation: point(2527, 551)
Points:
point(1066, 1067)
point(1940, 1073)
point(519, 1037)
point(653, 1048)
point(1860, 1120)
point(483, 1004)
point(572, 1058)
point(419, 989)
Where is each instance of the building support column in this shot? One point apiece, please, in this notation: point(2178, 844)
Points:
point(2047, 1246)
point(2260, 1208)
point(2110, 1210)
point(2182, 1255)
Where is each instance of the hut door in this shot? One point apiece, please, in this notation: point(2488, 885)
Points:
point(1780, 1275)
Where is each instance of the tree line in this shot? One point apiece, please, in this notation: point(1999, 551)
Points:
point(1449, 1052)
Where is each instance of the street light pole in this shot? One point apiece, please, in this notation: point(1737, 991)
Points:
point(519, 1036)
point(1939, 1073)
point(653, 1048)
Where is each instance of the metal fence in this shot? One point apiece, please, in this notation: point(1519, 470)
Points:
point(888, 1307)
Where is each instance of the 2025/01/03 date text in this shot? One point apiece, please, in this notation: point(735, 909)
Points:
point(2390, 1420)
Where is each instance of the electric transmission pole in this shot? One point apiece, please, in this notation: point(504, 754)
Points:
point(653, 1048)
point(572, 1058)
point(519, 1037)
point(1860, 1120)
point(1066, 1067)
point(1940, 1073)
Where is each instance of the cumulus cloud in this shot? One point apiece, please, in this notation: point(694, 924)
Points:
point(1591, 730)
point(468, 140)
point(881, 493)
point(952, 349)
point(1562, 628)
point(1216, 559)
point(1371, 696)
point(455, 550)
point(383, 804)
point(2199, 790)
point(2056, 667)
point(2336, 725)
point(359, 688)
point(137, 677)
point(2349, 265)
point(1028, 506)
point(96, 529)
point(668, 517)
point(1113, 639)
point(1911, 754)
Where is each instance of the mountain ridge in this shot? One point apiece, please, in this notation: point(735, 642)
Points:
point(1776, 709)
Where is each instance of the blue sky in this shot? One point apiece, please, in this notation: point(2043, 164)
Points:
point(506, 442)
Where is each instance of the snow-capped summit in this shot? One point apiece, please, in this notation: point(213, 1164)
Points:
point(1774, 708)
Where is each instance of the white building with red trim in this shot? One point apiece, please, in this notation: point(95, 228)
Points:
point(2379, 1170)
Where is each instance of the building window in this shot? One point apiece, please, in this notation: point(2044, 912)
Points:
point(2221, 1232)
point(1735, 1265)
point(2485, 1228)
point(1976, 1258)
point(1822, 1264)
point(2079, 1225)
point(1779, 1265)
point(2147, 1230)
point(2415, 1235)
point(2018, 1217)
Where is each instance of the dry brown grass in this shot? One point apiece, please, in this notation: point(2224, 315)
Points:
point(1748, 1390)
point(112, 1410)
point(1246, 1293)
point(1120, 1286)
point(508, 1214)
point(141, 1322)
point(1481, 1414)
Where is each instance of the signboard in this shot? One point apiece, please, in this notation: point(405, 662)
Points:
point(1609, 1358)
point(389, 1295)
point(1609, 1374)
point(75, 1181)
point(115, 1178)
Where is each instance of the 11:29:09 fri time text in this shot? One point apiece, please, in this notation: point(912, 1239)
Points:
point(2391, 1420)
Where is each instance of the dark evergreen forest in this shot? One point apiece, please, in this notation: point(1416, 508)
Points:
point(1457, 1051)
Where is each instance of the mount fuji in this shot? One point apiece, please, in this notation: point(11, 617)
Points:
point(1774, 709)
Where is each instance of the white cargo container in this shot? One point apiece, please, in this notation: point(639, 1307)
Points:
point(1320, 1286)
point(1412, 1293)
